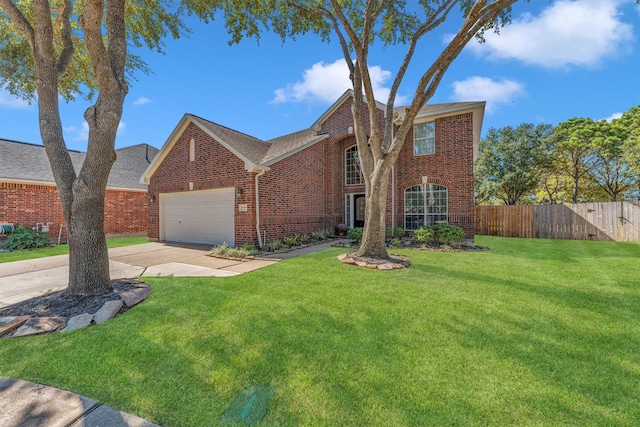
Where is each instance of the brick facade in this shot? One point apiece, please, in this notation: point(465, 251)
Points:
point(29, 204)
point(306, 191)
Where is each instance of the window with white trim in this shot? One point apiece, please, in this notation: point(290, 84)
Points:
point(425, 204)
point(424, 138)
point(353, 174)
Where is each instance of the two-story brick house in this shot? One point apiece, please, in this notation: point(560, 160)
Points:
point(211, 184)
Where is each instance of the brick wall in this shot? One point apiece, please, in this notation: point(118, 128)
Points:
point(306, 191)
point(27, 204)
point(451, 166)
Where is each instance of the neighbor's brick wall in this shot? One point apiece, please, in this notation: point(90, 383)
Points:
point(27, 204)
point(450, 166)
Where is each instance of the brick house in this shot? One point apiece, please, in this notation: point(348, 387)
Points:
point(28, 193)
point(211, 184)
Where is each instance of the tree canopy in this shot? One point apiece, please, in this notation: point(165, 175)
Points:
point(511, 161)
point(53, 48)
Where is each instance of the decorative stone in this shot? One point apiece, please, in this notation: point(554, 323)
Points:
point(341, 257)
point(372, 266)
point(361, 263)
point(387, 266)
point(78, 322)
point(108, 310)
point(39, 325)
point(397, 266)
point(132, 282)
point(135, 296)
point(8, 324)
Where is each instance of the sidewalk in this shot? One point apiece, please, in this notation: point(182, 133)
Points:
point(26, 404)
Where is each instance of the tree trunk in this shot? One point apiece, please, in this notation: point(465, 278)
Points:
point(375, 216)
point(88, 255)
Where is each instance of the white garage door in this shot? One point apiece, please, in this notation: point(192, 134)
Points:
point(198, 216)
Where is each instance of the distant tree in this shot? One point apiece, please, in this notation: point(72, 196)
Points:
point(575, 151)
point(357, 24)
point(511, 161)
point(67, 48)
point(629, 125)
point(610, 173)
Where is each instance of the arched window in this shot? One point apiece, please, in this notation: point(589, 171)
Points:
point(425, 204)
point(353, 174)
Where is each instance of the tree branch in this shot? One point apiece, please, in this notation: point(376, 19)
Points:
point(19, 20)
point(67, 41)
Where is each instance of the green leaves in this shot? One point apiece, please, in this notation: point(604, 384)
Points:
point(510, 161)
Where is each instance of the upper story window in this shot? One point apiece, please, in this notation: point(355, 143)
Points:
point(192, 150)
point(352, 171)
point(424, 138)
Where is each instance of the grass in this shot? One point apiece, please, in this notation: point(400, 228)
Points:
point(531, 332)
point(64, 249)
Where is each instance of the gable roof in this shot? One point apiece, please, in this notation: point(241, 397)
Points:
point(259, 155)
point(28, 163)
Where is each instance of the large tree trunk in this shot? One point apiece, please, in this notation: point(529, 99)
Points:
point(375, 216)
point(88, 256)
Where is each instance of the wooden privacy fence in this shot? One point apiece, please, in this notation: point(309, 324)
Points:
point(614, 221)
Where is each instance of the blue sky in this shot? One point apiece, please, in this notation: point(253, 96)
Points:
point(557, 60)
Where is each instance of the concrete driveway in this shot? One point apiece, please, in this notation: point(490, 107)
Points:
point(22, 280)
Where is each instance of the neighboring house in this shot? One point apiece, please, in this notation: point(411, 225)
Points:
point(211, 184)
point(28, 193)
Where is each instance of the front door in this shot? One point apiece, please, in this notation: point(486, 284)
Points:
point(358, 210)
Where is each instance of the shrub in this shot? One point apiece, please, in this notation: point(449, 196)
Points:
point(24, 238)
point(424, 235)
point(273, 245)
point(448, 234)
point(355, 234)
point(394, 232)
point(221, 250)
point(288, 241)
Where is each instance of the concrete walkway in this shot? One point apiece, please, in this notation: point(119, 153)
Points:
point(22, 280)
point(26, 404)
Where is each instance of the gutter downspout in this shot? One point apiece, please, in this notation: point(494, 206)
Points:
point(393, 187)
point(258, 175)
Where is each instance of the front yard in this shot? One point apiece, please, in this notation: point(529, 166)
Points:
point(530, 332)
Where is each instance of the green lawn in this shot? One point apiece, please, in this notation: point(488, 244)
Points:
point(531, 332)
point(64, 249)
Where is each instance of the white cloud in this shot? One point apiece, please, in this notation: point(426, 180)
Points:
point(613, 117)
point(579, 33)
point(11, 102)
point(327, 82)
point(478, 88)
point(82, 133)
point(141, 101)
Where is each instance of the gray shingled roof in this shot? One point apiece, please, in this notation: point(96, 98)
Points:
point(22, 161)
point(290, 143)
point(250, 147)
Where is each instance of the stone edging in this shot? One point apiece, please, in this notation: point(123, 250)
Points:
point(21, 326)
point(394, 262)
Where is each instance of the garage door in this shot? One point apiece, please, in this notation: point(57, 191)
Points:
point(198, 216)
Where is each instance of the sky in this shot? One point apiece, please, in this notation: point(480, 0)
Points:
point(557, 60)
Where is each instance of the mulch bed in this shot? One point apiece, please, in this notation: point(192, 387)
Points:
point(59, 304)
